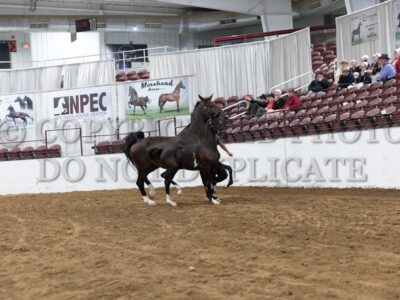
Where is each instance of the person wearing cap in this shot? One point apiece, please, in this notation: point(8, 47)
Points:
point(293, 101)
point(387, 71)
point(255, 106)
point(345, 79)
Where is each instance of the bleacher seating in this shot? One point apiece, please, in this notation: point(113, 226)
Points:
point(323, 58)
point(372, 106)
point(132, 75)
point(107, 147)
point(29, 152)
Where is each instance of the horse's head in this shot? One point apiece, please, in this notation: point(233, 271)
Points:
point(10, 108)
point(18, 99)
point(132, 91)
point(211, 114)
point(181, 85)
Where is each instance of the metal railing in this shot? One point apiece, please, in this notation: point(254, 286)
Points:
point(121, 58)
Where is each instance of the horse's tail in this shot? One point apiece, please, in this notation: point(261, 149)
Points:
point(130, 140)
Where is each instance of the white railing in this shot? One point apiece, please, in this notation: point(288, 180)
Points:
point(292, 79)
point(122, 58)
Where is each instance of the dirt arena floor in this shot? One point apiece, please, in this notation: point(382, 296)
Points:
point(259, 243)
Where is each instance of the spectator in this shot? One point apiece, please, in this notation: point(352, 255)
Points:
point(364, 77)
point(387, 71)
point(395, 58)
point(252, 105)
point(364, 59)
point(320, 84)
point(270, 105)
point(279, 100)
point(397, 64)
point(354, 68)
point(255, 106)
point(344, 64)
point(292, 102)
point(375, 68)
point(345, 79)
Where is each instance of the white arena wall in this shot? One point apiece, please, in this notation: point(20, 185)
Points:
point(365, 159)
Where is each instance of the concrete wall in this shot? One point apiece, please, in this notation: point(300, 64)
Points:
point(365, 159)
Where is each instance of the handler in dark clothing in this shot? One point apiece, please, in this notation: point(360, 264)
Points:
point(345, 79)
point(320, 84)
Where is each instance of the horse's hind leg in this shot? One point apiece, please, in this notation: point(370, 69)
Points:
point(140, 183)
point(168, 175)
point(178, 188)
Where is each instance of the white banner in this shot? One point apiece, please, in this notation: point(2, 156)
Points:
point(157, 98)
point(92, 103)
point(16, 109)
point(364, 27)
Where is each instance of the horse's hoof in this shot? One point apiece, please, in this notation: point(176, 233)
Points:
point(178, 190)
point(170, 202)
point(152, 193)
point(148, 201)
point(215, 202)
point(151, 202)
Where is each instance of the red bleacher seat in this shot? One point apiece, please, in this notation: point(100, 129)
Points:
point(103, 147)
point(117, 146)
point(132, 75)
point(3, 154)
point(41, 151)
point(54, 151)
point(14, 153)
point(144, 74)
point(28, 153)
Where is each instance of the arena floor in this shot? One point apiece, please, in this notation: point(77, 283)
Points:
point(259, 244)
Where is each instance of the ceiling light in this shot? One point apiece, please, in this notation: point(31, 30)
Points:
point(134, 28)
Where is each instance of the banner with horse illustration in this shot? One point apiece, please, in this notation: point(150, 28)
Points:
point(94, 103)
point(364, 27)
point(16, 110)
point(158, 98)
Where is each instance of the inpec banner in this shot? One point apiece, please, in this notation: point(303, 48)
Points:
point(157, 98)
point(83, 104)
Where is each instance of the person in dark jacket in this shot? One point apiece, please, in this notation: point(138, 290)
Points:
point(279, 100)
point(320, 84)
point(364, 77)
point(256, 106)
point(345, 79)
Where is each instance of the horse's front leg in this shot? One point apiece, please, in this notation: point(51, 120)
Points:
point(207, 183)
point(168, 176)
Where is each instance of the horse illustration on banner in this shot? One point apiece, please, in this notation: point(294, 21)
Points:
point(18, 115)
point(135, 100)
point(171, 97)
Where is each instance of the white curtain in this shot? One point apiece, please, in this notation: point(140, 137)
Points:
point(48, 78)
point(250, 68)
point(384, 43)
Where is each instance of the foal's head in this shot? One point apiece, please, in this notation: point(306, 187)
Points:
point(210, 113)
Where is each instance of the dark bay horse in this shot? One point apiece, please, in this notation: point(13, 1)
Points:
point(135, 100)
point(170, 97)
point(194, 148)
point(18, 115)
point(25, 103)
